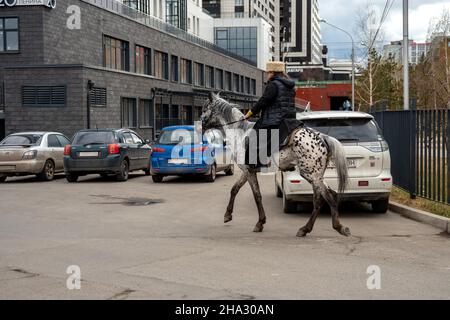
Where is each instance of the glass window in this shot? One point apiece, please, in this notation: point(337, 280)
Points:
point(63, 140)
point(128, 111)
point(127, 138)
point(161, 65)
point(209, 77)
point(53, 142)
point(94, 137)
point(219, 79)
point(174, 68)
point(116, 54)
point(136, 139)
point(9, 34)
point(145, 113)
point(22, 139)
point(198, 74)
point(186, 71)
point(228, 81)
point(143, 60)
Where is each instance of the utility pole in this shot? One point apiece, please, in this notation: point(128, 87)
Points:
point(405, 56)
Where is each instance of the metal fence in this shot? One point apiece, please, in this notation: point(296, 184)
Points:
point(419, 145)
point(155, 23)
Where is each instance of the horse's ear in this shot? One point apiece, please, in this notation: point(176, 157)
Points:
point(211, 96)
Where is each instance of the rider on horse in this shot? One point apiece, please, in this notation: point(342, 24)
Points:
point(276, 104)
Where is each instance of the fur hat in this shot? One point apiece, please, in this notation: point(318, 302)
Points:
point(275, 66)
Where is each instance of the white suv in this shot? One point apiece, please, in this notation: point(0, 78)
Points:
point(368, 161)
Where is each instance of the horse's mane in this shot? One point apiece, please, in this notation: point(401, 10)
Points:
point(229, 110)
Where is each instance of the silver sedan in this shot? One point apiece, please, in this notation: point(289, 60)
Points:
point(37, 153)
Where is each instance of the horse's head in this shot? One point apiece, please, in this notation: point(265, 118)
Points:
point(211, 115)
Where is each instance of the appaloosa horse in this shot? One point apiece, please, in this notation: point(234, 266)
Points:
point(308, 150)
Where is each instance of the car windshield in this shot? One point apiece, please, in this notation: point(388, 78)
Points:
point(94, 137)
point(22, 140)
point(358, 130)
point(174, 137)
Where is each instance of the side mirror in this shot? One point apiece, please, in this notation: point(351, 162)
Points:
point(147, 141)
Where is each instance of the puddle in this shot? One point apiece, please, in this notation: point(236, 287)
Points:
point(129, 202)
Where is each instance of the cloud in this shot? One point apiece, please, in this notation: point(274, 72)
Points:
point(343, 13)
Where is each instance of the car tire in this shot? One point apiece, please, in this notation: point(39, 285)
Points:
point(230, 170)
point(157, 178)
point(147, 170)
point(211, 177)
point(380, 206)
point(3, 178)
point(71, 177)
point(124, 171)
point(278, 191)
point(288, 205)
point(48, 173)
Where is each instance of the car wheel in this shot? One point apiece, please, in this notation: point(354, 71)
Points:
point(147, 170)
point(124, 171)
point(289, 206)
point(211, 177)
point(157, 178)
point(278, 191)
point(230, 170)
point(48, 173)
point(380, 206)
point(71, 177)
point(3, 178)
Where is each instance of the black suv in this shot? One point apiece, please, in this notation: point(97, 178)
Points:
point(106, 151)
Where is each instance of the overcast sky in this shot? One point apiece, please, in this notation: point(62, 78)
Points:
point(340, 13)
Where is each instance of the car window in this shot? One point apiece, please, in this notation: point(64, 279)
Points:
point(63, 140)
point(86, 138)
point(362, 130)
point(136, 139)
point(127, 138)
point(53, 142)
point(22, 139)
point(174, 137)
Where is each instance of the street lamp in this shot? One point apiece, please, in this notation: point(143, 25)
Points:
point(353, 59)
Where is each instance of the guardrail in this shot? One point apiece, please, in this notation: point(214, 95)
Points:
point(157, 24)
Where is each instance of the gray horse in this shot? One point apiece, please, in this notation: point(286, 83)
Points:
point(308, 150)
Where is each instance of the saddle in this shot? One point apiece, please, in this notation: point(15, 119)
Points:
point(288, 126)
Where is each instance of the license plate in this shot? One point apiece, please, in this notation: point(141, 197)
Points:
point(7, 168)
point(88, 154)
point(177, 161)
point(351, 163)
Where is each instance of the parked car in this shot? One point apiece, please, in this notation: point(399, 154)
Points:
point(37, 153)
point(179, 150)
point(368, 161)
point(105, 152)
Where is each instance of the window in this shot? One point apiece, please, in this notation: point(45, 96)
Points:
point(235, 82)
point(40, 96)
point(63, 140)
point(253, 84)
point(198, 113)
point(136, 139)
point(128, 110)
point(227, 81)
point(209, 77)
point(241, 87)
point(161, 65)
point(140, 5)
point(174, 112)
point(219, 79)
point(116, 54)
point(239, 40)
point(127, 138)
point(97, 97)
point(53, 142)
point(145, 113)
point(143, 60)
point(186, 115)
point(9, 34)
point(174, 68)
point(247, 85)
point(199, 74)
point(186, 71)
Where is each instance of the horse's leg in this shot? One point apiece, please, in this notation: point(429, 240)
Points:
point(253, 181)
point(318, 203)
point(331, 197)
point(234, 191)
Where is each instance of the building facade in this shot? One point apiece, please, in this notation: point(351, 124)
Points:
point(97, 64)
point(247, 37)
point(417, 51)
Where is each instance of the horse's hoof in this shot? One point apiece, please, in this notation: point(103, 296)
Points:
point(227, 219)
point(301, 233)
point(258, 229)
point(345, 231)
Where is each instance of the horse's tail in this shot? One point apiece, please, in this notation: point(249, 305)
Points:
point(340, 161)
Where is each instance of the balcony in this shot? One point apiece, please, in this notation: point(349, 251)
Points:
point(157, 24)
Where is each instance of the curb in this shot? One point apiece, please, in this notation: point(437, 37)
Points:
point(421, 216)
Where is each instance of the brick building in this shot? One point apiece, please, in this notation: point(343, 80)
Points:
point(120, 68)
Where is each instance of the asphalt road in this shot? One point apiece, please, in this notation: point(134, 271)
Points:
point(140, 240)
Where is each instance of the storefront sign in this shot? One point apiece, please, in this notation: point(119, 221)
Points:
point(15, 3)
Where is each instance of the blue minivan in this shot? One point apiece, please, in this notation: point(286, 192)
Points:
point(181, 150)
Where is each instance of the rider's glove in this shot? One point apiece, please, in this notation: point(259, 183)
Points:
point(248, 115)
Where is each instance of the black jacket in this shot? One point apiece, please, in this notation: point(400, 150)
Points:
point(277, 102)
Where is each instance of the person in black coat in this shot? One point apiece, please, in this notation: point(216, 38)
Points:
point(276, 104)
